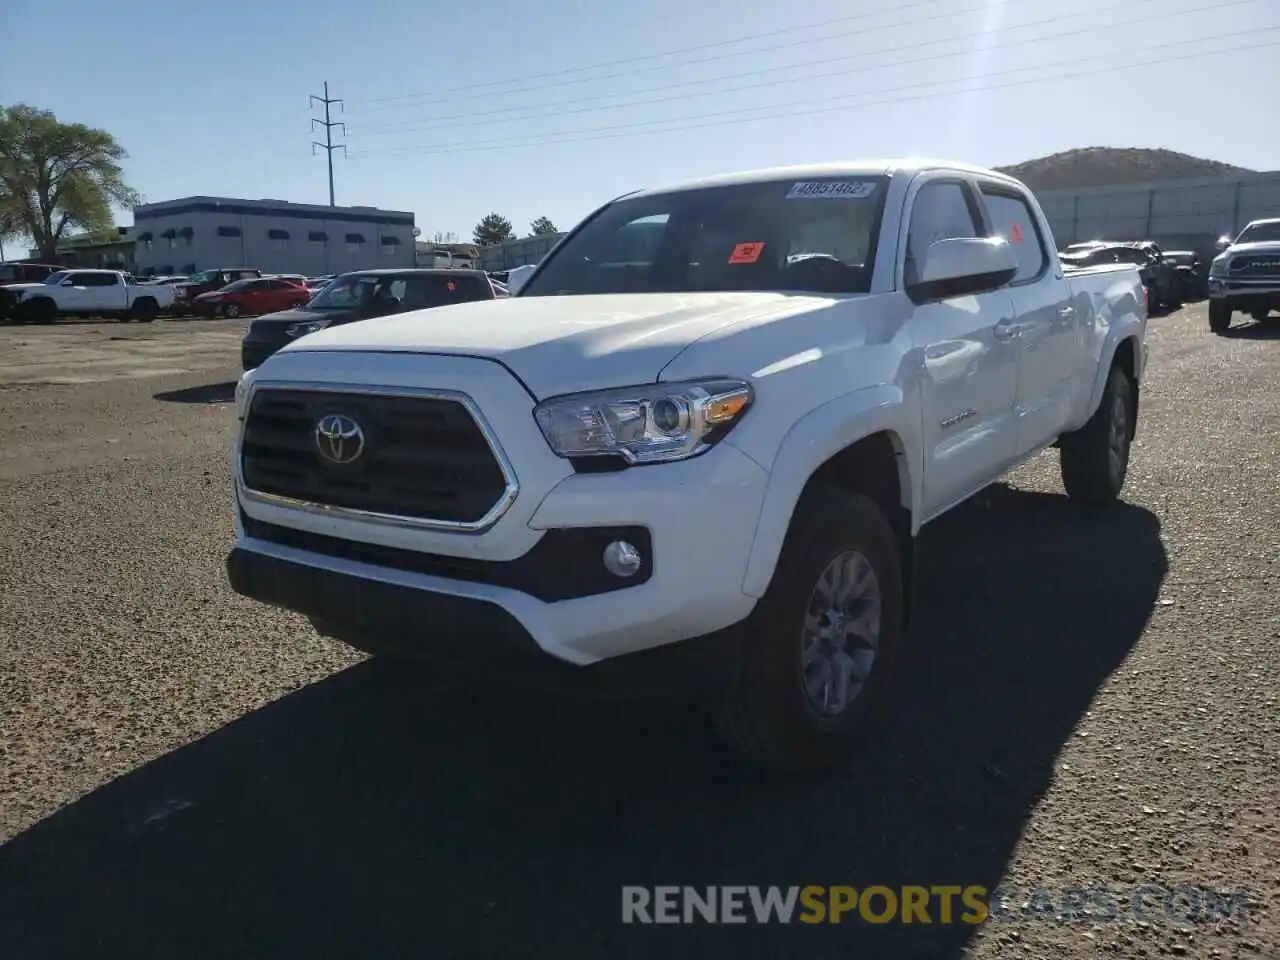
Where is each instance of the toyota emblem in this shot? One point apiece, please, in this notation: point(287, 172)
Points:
point(339, 438)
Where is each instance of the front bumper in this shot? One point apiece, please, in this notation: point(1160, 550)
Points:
point(1245, 291)
point(254, 353)
point(699, 516)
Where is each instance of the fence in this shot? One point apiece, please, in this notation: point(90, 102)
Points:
point(1177, 214)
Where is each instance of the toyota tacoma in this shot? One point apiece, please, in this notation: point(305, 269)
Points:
point(710, 425)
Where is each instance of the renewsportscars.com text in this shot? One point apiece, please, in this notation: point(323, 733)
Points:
point(1149, 903)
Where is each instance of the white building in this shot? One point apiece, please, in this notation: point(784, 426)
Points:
point(200, 233)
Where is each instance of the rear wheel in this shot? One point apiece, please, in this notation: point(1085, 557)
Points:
point(1095, 458)
point(145, 310)
point(1219, 316)
point(808, 667)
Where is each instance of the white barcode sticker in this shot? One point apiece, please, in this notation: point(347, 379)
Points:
point(831, 190)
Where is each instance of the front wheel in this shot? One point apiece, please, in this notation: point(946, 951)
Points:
point(803, 673)
point(231, 310)
point(1219, 316)
point(1095, 458)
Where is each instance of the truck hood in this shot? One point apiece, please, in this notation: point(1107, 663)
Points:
point(566, 344)
point(1262, 246)
point(22, 287)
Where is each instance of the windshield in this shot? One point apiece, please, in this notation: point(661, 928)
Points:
point(206, 276)
point(393, 293)
point(1260, 233)
point(814, 236)
point(53, 279)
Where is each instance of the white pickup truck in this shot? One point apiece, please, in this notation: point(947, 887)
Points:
point(703, 435)
point(89, 293)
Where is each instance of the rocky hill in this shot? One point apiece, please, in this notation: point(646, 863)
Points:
point(1110, 166)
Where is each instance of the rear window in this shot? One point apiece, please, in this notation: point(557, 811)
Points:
point(808, 235)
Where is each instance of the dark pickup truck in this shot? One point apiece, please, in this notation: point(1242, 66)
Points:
point(362, 295)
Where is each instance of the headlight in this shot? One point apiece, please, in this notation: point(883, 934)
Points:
point(302, 329)
point(648, 424)
point(1219, 267)
point(242, 394)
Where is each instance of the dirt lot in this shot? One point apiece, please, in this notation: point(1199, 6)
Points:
point(1092, 700)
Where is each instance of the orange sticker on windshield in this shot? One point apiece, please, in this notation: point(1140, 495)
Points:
point(746, 253)
point(1017, 233)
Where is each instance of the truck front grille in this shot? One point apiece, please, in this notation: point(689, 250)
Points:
point(1256, 265)
point(422, 458)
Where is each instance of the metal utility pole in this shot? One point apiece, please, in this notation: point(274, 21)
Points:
point(328, 146)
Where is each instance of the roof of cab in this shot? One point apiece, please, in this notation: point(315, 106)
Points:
point(818, 171)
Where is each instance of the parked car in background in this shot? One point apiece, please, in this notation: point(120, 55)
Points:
point(89, 293)
point(208, 280)
point(1189, 274)
point(252, 297)
point(1124, 253)
point(25, 272)
point(1164, 287)
point(1246, 276)
point(360, 296)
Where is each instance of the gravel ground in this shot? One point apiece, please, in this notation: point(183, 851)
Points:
point(1091, 700)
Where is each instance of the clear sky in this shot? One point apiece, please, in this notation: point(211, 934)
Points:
point(455, 109)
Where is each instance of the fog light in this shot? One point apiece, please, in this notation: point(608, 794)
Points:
point(622, 559)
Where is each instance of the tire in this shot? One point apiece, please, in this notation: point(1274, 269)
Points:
point(42, 311)
point(1095, 458)
point(760, 703)
point(231, 310)
point(144, 310)
point(1219, 316)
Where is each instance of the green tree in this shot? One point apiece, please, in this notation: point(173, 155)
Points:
point(494, 228)
point(58, 175)
point(542, 226)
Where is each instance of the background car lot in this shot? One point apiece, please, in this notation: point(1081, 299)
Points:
point(1089, 700)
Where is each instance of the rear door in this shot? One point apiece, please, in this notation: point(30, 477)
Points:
point(1049, 325)
point(969, 358)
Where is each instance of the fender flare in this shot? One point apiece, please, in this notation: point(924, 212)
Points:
point(809, 443)
point(1130, 329)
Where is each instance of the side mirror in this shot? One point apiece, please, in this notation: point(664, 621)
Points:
point(963, 266)
point(1223, 242)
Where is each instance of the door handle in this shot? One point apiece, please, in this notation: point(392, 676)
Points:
point(1007, 330)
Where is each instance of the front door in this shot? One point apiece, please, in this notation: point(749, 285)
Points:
point(968, 357)
point(1049, 324)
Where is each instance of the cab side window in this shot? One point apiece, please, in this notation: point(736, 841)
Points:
point(1011, 218)
point(941, 211)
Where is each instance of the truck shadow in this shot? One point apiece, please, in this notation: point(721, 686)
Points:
point(205, 393)
point(1253, 330)
point(373, 815)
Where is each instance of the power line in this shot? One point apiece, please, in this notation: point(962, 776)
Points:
point(648, 56)
point(474, 91)
point(718, 119)
point(475, 119)
point(328, 146)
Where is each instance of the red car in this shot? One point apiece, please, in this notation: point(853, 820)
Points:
point(251, 298)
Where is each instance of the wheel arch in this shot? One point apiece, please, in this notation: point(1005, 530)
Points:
point(861, 442)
